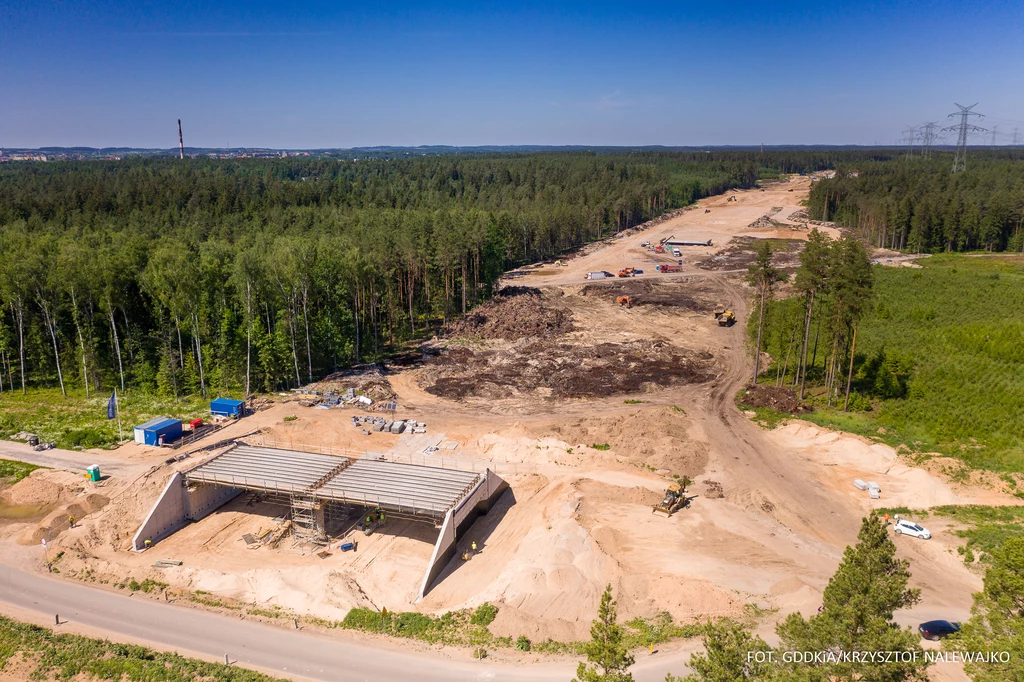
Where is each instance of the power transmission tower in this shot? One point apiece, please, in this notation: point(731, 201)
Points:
point(964, 127)
point(995, 131)
point(910, 136)
point(928, 136)
point(1016, 137)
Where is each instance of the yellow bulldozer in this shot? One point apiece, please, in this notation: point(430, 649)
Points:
point(675, 498)
point(726, 319)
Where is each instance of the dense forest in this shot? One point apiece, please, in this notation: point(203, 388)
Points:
point(183, 276)
point(920, 205)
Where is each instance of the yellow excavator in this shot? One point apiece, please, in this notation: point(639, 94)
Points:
point(675, 498)
point(726, 319)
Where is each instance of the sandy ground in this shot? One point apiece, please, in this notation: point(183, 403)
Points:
point(770, 514)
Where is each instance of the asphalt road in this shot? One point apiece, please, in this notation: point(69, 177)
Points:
point(268, 648)
point(71, 460)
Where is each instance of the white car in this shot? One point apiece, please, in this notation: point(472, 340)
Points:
point(904, 527)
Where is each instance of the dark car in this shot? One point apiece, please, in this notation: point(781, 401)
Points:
point(937, 629)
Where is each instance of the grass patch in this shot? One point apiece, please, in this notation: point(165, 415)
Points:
point(148, 585)
point(65, 657)
point(468, 627)
point(767, 417)
point(601, 446)
point(74, 421)
point(633, 401)
point(940, 365)
point(902, 511)
point(984, 528)
point(12, 472)
point(290, 418)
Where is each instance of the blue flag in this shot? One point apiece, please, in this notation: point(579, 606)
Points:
point(112, 406)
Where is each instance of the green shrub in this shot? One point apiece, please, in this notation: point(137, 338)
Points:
point(484, 615)
point(84, 438)
point(412, 624)
point(522, 643)
point(368, 620)
point(601, 446)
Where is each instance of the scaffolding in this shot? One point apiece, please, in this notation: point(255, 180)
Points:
point(308, 519)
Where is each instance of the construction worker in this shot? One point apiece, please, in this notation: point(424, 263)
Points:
point(149, 543)
point(71, 522)
point(886, 519)
point(472, 546)
point(380, 515)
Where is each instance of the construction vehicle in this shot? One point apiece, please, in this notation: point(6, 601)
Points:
point(627, 272)
point(659, 249)
point(669, 268)
point(675, 498)
point(719, 311)
point(624, 301)
point(726, 319)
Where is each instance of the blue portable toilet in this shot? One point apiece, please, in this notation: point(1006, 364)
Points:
point(151, 432)
point(226, 407)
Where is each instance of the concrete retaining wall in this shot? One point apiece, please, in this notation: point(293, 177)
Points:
point(444, 550)
point(458, 520)
point(177, 506)
point(203, 500)
point(170, 513)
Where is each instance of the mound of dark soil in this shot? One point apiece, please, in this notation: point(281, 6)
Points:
point(642, 292)
point(561, 370)
point(775, 397)
point(514, 313)
point(741, 251)
point(366, 380)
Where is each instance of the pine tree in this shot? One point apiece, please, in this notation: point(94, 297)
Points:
point(727, 656)
point(763, 277)
point(859, 601)
point(608, 657)
point(998, 621)
point(811, 279)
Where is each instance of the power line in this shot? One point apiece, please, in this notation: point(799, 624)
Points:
point(964, 127)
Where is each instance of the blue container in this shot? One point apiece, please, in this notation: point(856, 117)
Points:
point(226, 407)
point(151, 433)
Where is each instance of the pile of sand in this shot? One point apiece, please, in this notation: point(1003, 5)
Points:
point(42, 487)
point(655, 437)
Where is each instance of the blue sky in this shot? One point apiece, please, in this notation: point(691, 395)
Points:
point(336, 74)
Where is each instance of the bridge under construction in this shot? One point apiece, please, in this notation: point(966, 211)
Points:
point(317, 485)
